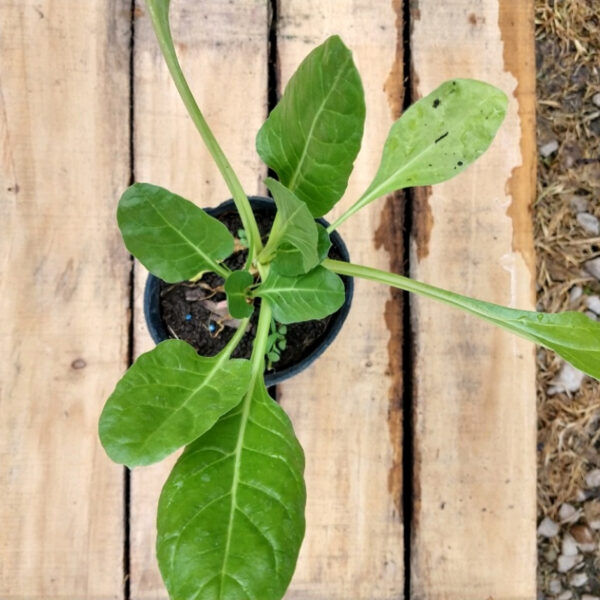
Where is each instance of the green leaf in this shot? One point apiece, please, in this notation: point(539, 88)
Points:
point(231, 514)
point(236, 286)
point(311, 296)
point(166, 399)
point(172, 237)
point(439, 136)
point(323, 243)
point(572, 335)
point(288, 260)
point(294, 227)
point(313, 135)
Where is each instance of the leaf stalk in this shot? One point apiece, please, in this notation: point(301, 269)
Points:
point(572, 335)
point(159, 15)
point(236, 339)
point(362, 201)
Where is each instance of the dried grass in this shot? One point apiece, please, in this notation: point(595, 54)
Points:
point(568, 66)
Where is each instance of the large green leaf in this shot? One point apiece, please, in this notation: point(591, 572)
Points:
point(288, 260)
point(236, 288)
point(172, 237)
point(293, 226)
point(168, 398)
point(231, 514)
point(313, 135)
point(438, 137)
point(311, 296)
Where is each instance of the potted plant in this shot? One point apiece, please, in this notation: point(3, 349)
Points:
point(231, 514)
point(198, 312)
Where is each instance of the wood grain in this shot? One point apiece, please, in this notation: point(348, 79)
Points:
point(346, 407)
point(63, 294)
point(223, 52)
point(474, 513)
point(64, 160)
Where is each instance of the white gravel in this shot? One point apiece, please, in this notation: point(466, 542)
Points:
point(593, 267)
point(569, 545)
point(554, 586)
point(578, 579)
point(574, 294)
point(593, 303)
point(549, 148)
point(548, 528)
point(567, 513)
point(566, 563)
point(589, 222)
point(592, 514)
point(579, 204)
point(568, 379)
point(592, 479)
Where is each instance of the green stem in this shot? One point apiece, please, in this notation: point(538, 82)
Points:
point(258, 365)
point(260, 342)
point(159, 14)
point(493, 313)
point(263, 270)
point(362, 201)
point(223, 270)
point(236, 339)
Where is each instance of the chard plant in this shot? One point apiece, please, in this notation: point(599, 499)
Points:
point(231, 514)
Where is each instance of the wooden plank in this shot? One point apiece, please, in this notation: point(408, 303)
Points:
point(475, 473)
point(346, 408)
point(223, 51)
point(63, 294)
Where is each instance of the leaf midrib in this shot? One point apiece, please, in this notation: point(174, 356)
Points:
point(204, 382)
point(298, 169)
point(235, 481)
point(527, 328)
point(278, 290)
point(286, 233)
point(380, 189)
point(208, 259)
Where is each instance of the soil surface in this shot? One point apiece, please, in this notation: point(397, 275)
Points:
point(567, 237)
point(197, 312)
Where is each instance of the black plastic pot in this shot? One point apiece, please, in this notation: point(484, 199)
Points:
point(159, 332)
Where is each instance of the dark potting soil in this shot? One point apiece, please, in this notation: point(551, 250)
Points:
point(188, 319)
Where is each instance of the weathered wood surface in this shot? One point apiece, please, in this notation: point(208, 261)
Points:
point(223, 51)
point(346, 407)
point(64, 111)
point(63, 294)
point(166, 146)
point(474, 501)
